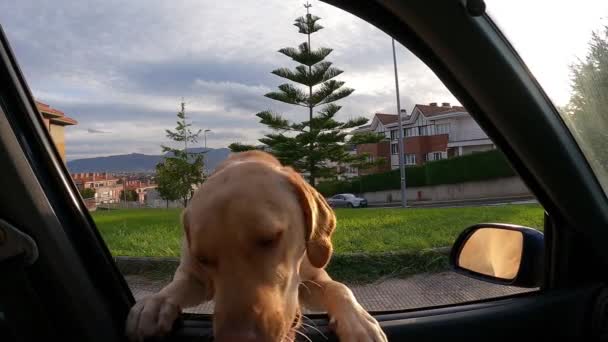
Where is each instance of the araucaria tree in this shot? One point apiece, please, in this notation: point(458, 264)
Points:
point(180, 171)
point(317, 145)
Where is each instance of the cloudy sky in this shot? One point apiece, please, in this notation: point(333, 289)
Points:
point(121, 67)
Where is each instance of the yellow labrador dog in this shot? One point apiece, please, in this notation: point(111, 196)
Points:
point(256, 240)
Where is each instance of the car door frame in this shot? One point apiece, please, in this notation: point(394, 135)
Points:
point(562, 308)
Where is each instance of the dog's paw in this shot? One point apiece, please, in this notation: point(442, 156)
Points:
point(150, 317)
point(357, 325)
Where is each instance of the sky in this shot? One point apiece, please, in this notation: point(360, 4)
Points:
point(121, 68)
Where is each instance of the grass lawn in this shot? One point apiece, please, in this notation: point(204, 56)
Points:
point(157, 232)
point(369, 243)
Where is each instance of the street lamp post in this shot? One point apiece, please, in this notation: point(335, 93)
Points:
point(400, 128)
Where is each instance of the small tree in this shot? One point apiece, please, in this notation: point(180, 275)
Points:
point(181, 170)
point(317, 145)
point(238, 147)
point(130, 195)
point(87, 193)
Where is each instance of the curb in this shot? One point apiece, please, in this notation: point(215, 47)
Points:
point(468, 201)
point(168, 265)
point(138, 265)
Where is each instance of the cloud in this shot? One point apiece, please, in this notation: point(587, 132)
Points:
point(122, 68)
point(96, 131)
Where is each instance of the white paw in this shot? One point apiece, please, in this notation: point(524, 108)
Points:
point(150, 317)
point(357, 325)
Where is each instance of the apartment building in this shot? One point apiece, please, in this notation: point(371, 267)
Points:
point(431, 132)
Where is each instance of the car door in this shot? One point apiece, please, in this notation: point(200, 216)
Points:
point(77, 293)
point(340, 201)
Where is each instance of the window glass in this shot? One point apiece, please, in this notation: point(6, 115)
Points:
point(442, 128)
point(110, 80)
point(568, 55)
point(410, 159)
point(411, 132)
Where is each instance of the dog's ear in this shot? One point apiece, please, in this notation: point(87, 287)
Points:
point(319, 219)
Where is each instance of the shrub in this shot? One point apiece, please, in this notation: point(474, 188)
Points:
point(473, 167)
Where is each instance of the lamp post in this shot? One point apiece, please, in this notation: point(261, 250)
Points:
point(401, 141)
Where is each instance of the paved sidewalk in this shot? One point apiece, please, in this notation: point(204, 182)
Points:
point(394, 294)
point(460, 203)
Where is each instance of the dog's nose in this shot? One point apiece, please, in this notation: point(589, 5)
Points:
point(237, 336)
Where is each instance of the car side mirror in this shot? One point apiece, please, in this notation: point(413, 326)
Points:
point(500, 253)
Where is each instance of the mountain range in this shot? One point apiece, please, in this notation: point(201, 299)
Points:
point(137, 162)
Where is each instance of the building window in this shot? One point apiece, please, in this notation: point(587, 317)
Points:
point(436, 156)
point(410, 159)
point(394, 149)
point(442, 128)
point(426, 130)
point(411, 132)
point(394, 134)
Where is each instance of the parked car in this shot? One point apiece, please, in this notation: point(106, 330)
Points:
point(347, 201)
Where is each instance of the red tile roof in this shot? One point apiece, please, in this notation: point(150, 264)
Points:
point(93, 177)
point(428, 110)
point(386, 118)
point(55, 116)
point(136, 184)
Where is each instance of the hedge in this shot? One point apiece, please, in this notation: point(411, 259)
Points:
point(473, 167)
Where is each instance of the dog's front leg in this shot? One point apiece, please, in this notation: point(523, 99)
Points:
point(154, 315)
point(348, 318)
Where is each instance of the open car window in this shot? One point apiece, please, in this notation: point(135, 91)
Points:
point(120, 103)
point(570, 63)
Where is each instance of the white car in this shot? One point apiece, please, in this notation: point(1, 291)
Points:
point(347, 201)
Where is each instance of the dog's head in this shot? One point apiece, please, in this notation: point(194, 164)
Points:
point(248, 228)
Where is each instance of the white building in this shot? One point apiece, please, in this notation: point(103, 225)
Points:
point(431, 132)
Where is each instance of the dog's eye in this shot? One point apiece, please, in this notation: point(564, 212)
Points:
point(269, 242)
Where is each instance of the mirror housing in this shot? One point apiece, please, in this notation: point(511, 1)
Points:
point(500, 253)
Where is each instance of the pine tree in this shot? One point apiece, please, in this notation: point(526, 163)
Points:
point(316, 145)
point(181, 169)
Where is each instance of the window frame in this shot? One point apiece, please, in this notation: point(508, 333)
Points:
point(456, 81)
point(410, 159)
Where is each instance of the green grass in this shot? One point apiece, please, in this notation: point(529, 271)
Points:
point(157, 232)
point(370, 244)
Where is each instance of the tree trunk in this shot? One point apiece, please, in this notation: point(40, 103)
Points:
point(311, 163)
point(167, 203)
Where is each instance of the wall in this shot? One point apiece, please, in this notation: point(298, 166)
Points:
point(153, 200)
point(503, 187)
point(381, 149)
point(58, 136)
point(421, 145)
point(465, 128)
point(477, 148)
